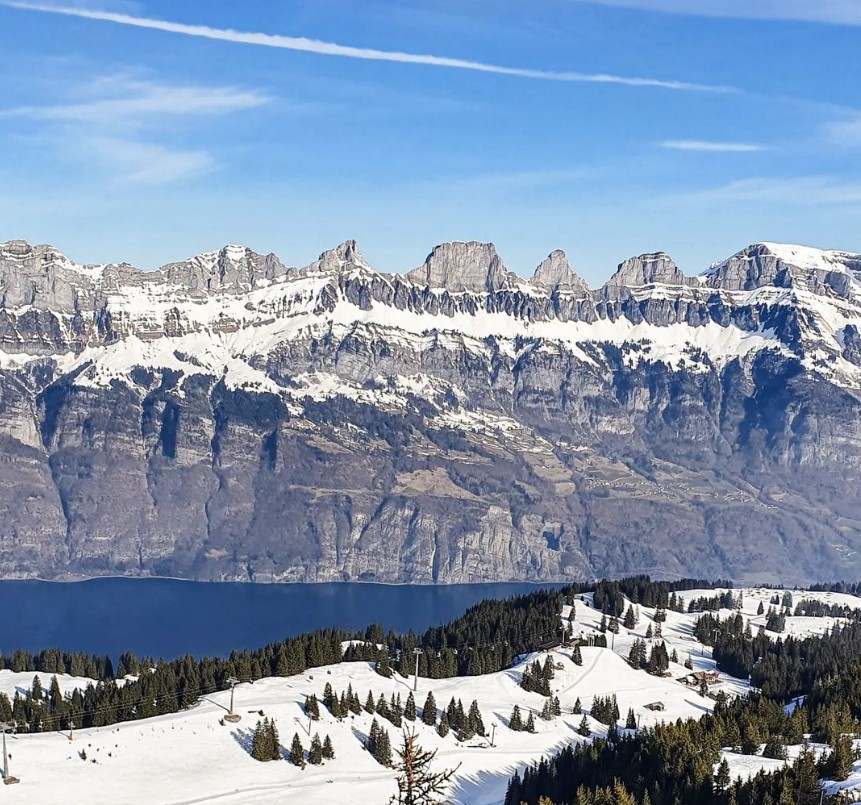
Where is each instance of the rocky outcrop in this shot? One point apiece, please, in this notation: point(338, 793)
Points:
point(228, 417)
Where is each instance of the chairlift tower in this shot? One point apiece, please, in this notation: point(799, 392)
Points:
point(7, 779)
point(231, 716)
point(418, 652)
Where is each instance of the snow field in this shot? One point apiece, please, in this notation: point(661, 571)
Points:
point(189, 757)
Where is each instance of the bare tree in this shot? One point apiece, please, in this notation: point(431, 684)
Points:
point(417, 784)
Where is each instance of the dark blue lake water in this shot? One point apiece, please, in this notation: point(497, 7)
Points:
point(167, 618)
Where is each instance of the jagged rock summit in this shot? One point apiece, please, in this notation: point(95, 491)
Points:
point(229, 417)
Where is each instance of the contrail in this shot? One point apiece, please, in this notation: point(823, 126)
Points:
point(306, 45)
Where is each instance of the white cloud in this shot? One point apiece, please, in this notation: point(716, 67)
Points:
point(133, 162)
point(711, 146)
point(120, 124)
point(845, 133)
point(804, 191)
point(837, 12)
point(123, 102)
point(306, 45)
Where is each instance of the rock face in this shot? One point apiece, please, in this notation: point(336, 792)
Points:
point(227, 417)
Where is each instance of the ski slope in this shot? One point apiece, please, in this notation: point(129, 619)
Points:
point(190, 757)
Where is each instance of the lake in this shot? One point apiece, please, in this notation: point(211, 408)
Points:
point(168, 617)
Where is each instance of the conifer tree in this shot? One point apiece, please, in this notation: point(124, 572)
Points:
point(631, 720)
point(443, 728)
point(417, 784)
point(315, 753)
point(630, 619)
point(576, 656)
point(273, 742)
point(297, 753)
point(722, 779)
point(515, 722)
point(328, 750)
point(602, 627)
point(556, 707)
point(369, 703)
point(429, 710)
point(530, 723)
point(474, 720)
point(312, 708)
point(578, 708)
point(259, 749)
point(584, 729)
point(410, 708)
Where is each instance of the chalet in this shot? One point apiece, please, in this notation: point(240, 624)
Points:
point(698, 678)
point(655, 707)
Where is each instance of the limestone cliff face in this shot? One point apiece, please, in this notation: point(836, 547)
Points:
point(228, 417)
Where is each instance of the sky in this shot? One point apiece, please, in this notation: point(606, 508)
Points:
point(151, 131)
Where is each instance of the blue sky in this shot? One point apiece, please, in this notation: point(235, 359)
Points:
point(150, 131)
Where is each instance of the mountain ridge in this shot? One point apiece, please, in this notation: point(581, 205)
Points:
point(230, 417)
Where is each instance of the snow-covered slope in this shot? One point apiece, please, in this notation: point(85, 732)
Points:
point(190, 757)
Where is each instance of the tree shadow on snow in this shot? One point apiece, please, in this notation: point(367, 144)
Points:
point(243, 737)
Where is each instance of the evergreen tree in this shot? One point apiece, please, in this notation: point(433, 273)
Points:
point(556, 706)
point(578, 708)
point(429, 710)
point(630, 619)
point(474, 720)
point(315, 753)
point(584, 728)
point(576, 656)
point(312, 708)
point(369, 703)
point(297, 753)
point(259, 740)
point(722, 779)
point(515, 722)
point(649, 632)
point(410, 708)
point(328, 750)
point(443, 728)
point(383, 749)
point(530, 723)
point(273, 742)
point(631, 720)
point(602, 627)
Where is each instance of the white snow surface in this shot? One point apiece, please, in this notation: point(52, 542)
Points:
point(188, 757)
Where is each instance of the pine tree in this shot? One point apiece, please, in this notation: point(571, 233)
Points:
point(474, 720)
point(649, 632)
point(417, 784)
point(443, 728)
point(576, 656)
point(722, 778)
point(297, 753)
point(259, 749)
point(383, 667)
point(312, 708)
point(410, 708)
point(530, 723)
point(602, 627)
point(584, 728)
point(630, 619)
point(515, 722)
point(556, 708)
point(578, 707)
point(546, 713)
point(383, 749)
point(369, 703)
point(631, 720)
point(429, 710)
point(328, 750)
point(315, 753)
point(273, 742)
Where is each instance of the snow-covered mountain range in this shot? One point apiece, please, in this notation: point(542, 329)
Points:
point(230, 417)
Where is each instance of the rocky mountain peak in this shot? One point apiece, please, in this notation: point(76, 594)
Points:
point(767, 263)
point(647, 269)
point(344, 256)
point(462, 266)
point(555, 273)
